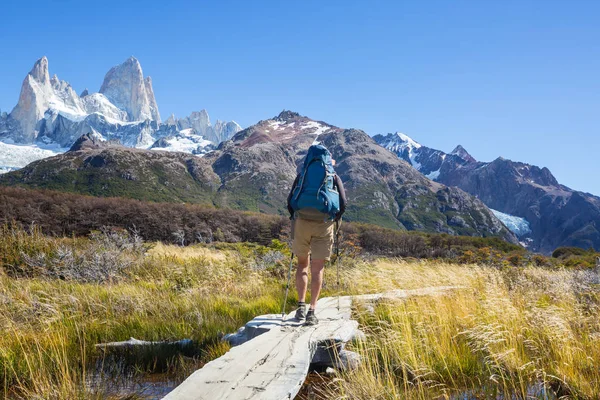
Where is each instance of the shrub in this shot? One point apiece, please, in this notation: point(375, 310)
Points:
point(103, 258)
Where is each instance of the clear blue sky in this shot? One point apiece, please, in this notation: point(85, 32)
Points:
point(518, 79)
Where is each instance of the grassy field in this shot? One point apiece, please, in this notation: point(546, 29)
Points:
point(520, 331)
point(513, 333)
point(50, 325)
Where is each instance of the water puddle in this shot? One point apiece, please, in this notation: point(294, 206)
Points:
point(537, 391)
point(147, 373)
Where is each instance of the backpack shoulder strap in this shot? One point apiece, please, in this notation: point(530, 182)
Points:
point(301, 182)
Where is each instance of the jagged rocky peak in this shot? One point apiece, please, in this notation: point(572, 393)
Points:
point(461, 152)
point(286, 115)
point(39, 72)
point(125, 86)
point(84, 93)
point(34, 100)
point(199, 121)
point(171, 120)
point(225, 130)
point(90, 140)
point(526, 173)
point(200, 116)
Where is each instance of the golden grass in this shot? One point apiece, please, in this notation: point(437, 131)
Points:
point(49, 326)
point(527, 333)
point(189, 252)
point(511, 331)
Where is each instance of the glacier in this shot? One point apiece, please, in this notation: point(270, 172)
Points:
point(518, 225)
point(15, 156)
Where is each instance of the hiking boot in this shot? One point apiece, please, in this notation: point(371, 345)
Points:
point(301, 312)
point(311, 318)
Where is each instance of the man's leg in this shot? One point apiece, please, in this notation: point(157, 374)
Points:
point(316, 280)
point(321, 250)
point(302, 278)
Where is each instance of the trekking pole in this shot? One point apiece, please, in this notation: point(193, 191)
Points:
point(287, 287)
point(337, 258)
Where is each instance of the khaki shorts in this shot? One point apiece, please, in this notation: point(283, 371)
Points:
point(314, 238)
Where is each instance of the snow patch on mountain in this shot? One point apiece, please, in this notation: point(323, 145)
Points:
point(518, 225)
point(461, 152)
point(15, 156)
point(433, 175)
point(409, 142)
point(276, 125)
point(184, 141)
point(315, 128)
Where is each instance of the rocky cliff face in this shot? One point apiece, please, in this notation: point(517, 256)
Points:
point(556, 215)
point(39, 93)
point(125, 87)
point(254, 171)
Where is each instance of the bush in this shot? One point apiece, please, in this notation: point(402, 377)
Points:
point(103, 258)
point(564, 252)
point(64, 214)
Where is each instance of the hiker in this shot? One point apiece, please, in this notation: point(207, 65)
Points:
point(316, 204)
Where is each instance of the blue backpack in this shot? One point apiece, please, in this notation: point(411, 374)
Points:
point(315, 187)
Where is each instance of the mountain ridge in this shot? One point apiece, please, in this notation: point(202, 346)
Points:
point(557, 215)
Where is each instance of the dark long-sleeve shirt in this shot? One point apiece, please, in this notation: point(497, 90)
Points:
point(337, 183)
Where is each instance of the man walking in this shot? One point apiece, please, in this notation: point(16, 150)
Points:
point(316, 203)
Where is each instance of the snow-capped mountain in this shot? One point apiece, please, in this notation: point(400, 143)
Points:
point(527, 199)
point(199, 123)
point(50, 116)
point(425, 159)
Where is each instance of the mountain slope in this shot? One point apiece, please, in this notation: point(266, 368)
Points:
point(556, 215)
point(111, 170)
point(254, 171)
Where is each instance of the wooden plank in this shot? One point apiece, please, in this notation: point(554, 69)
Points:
point(274, 363)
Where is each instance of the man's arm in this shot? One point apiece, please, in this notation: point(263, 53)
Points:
point(342, 192)
point(289, 198)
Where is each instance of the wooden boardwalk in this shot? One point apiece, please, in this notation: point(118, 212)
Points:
point(274, 358)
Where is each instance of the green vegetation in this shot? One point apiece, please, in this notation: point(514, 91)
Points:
point(62, 214)
point(362, 207)
point(575, 256)
point(156, 181)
